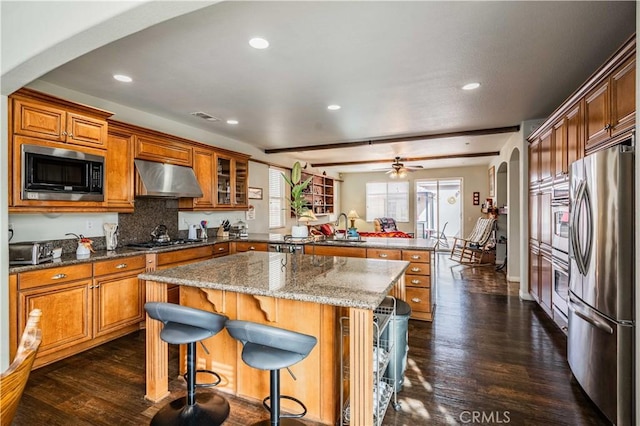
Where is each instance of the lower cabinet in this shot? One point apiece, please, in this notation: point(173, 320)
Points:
point(242, 246)
point(418, 284)
point(80, 311)
point(541, 278)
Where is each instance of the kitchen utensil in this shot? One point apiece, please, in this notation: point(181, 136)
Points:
point(111, 234)
point(193, 232)
point(160, 234)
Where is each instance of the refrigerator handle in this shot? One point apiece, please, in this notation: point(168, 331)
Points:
point(586, 259)
point(575, 244)
point(603, 326)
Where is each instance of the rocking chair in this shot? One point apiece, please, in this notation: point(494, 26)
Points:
point(473, 248)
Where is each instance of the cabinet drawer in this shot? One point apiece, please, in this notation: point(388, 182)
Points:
point(336, 251)
point(119, 265)
point(418, 280)
point(418, 269)
point(419, 299)
point(185, 255)
point(247, 246)
point(416, 256)
point(50, 276)
point(384, 254)
point(220, 249)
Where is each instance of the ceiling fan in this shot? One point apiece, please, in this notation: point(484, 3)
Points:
point(399, 170)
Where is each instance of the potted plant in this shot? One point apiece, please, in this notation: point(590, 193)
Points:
point(298, 201)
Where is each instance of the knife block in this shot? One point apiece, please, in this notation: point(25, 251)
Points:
point(221, 232)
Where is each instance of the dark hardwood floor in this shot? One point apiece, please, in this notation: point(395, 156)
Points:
point(488, 358)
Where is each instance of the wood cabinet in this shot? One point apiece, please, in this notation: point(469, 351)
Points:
point(534, 271)
point(204, 169)
point(163, 149)
point(231, 181)
point(118, 294)
point(244, 246)
point(319, 194)
point(385, 254)
point(335, 251)
point(418, 284)
point(534, 162)
point(119, 170)
point(610, 106)
point(183, 257)
point(545, 281)
point(82, 305)
point(44, 117)
point(42, 120)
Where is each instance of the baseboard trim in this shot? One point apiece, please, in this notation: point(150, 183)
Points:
point(526, 296)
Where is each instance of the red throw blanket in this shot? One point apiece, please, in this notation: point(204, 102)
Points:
point(389, 234)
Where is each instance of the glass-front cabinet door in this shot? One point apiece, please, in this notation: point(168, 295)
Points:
point(232, 179)
point(223, 180)
point(241, 182)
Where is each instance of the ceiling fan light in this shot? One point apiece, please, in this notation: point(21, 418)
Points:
point(402, 173)
point(393, 174)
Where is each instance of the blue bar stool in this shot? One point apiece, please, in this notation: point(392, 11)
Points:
point(271, 348)
point(184, 325)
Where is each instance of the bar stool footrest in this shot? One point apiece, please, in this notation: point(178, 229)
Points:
point(287, 416)
point(210, 409)
point(205, 385)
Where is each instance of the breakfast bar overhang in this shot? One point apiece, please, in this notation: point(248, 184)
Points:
point(304, 293)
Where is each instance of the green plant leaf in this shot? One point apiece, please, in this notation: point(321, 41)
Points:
point(296, 173)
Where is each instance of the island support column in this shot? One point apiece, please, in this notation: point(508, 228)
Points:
point(361, 366)
point(157, 350)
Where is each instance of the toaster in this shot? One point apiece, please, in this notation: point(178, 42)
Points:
point(29, 253)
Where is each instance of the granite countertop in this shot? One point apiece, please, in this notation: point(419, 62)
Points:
point(390, 243)
point(338, 281)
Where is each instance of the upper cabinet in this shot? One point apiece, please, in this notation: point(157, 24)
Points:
point(41, 123)
point(232, 178)
point(42, 117)
point(610, 107)
point(119, 169)
point(163, 149)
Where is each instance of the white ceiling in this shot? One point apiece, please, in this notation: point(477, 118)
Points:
point(396, 69)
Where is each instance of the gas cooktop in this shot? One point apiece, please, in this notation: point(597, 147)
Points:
point(150, 245)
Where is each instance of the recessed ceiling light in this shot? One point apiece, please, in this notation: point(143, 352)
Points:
point(334, 107)
point(123, 78)
point(258, 43)
point(232, 121)
point(470, 86)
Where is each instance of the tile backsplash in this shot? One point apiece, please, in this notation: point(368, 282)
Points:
point(148, 213)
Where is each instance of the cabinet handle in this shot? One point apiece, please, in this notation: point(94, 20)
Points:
point(71, 135)
point(64, 133)
point(415, 281)
point(416, 300)
point(58, 276)
point(120, 266)
point(220, 248)
point(252, 248)
point(415, 256)
point(383, 255)
point(607, 126)
point(415, 269)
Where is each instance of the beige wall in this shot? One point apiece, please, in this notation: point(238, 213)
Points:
point(353, 193)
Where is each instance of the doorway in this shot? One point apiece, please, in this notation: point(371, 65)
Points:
point(439, 209)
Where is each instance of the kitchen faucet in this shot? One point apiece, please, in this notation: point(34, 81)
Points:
point(346, 221)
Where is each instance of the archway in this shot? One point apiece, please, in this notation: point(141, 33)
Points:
point(514, 225)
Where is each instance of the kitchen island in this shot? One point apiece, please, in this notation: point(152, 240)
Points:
point(304, 293)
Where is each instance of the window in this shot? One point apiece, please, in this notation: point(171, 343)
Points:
point(388, 199)
point(277, 201)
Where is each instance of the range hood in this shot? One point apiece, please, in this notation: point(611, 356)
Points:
point(167, 180)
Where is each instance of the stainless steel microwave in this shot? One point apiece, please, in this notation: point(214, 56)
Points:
point(61, 174)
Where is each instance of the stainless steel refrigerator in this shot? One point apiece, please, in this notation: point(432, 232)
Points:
point(601, 281)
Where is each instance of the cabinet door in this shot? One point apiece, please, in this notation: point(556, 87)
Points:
point(203, 167)
point(623, 97)
point(117, 302)
point(86, 131)
point(163, 150)
point(559, 150)
point(241, 176)
point(534, 162)
point(243, 246)
point(575, 142)
point(546, 166)
point(534, 273)
point(38, 120)
point(66, 314)
point(119, 172)
point(223, 181)
point(545, 282)
point(534, 216)
point(545, 219)
point(597, 115)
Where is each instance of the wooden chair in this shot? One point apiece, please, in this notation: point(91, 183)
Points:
point(14, 379)
point(472, 249)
